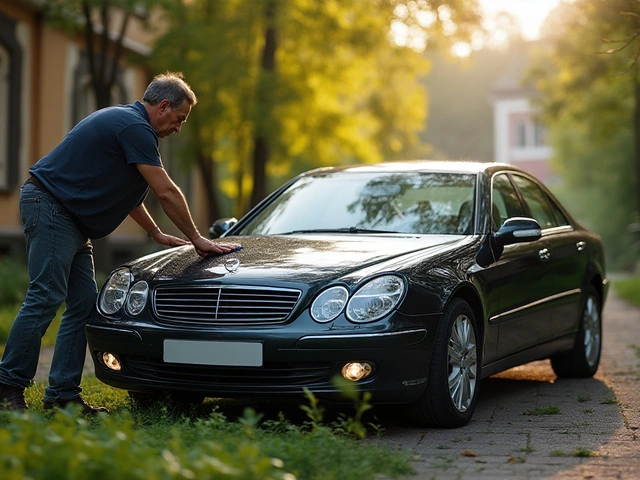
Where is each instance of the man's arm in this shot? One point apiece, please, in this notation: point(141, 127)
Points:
point(142, 217)
point(175, 206)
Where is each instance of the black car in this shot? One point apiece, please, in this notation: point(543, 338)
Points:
point(414, 280)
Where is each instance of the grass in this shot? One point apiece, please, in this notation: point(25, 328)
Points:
point(166, 443)
point(578, 453)
point(548, 410)
point(629, 289)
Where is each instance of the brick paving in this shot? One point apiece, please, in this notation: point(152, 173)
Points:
point(595, 435)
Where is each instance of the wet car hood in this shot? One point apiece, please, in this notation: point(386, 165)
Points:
point(307, 259)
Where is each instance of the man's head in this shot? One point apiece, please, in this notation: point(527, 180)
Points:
point(168, 100)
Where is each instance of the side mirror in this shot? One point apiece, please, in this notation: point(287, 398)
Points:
point(518, 230)
point(513, 230)
point(220, 227)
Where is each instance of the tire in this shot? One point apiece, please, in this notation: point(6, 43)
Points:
point(584, 359)
point(453, 382)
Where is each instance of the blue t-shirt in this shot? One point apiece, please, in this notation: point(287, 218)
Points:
point(92, 172)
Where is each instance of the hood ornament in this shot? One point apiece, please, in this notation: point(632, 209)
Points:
point(232, 265)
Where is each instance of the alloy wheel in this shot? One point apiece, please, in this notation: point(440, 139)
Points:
point(463, 363)
point(592, 330)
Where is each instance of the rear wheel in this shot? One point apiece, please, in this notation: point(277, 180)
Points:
point(454, 374)
point(584, 359)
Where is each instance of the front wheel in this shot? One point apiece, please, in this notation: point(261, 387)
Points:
point(454, 374)
point(584, 359)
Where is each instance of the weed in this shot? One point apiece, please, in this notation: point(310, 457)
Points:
point(558, 453)
point(583, 452)
point(588, 410)
point(610, 401)
point(583, 399)
point(517, 459)
point(526, 449)
point(548, 410)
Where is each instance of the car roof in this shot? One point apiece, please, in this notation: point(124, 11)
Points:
point(444, 166)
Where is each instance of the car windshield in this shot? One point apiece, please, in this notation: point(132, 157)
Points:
point(355, 202)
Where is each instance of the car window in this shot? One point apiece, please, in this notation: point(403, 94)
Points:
point(539, 205)
point(505, 201)
point(421, 203)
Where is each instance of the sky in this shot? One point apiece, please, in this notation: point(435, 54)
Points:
point(529, 13)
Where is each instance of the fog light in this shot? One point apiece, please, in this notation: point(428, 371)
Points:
point(111, 361)
point(356, 371)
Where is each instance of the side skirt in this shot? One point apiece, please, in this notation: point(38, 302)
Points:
point(539, 352)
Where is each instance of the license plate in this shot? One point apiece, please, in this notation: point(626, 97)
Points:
point(228, 354)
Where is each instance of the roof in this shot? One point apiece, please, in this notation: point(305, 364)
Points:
point(453, 166)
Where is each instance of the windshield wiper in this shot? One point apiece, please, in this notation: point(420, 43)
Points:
point(338, 230)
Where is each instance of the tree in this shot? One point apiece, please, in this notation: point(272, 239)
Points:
point(103, 24)
point(588, 76)
point(298, 83)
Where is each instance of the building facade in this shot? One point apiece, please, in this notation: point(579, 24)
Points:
point(44, 92)
point(520, 138)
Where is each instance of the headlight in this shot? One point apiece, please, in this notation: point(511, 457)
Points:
point(114, 292)
point(329, 304)
point(375, 299)
point(137, 298)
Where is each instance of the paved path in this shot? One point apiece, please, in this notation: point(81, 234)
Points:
point(595, 435)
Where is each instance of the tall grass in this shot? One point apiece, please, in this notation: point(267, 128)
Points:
point(629, 289)
point(161, 443)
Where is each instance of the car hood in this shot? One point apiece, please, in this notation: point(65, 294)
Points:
point(290, 258)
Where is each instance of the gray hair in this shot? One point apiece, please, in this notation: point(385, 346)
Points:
point(169, 86)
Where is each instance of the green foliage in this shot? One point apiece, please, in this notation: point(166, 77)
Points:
point(629, 289)
point(14, 281)
point(548, 410)
point(589, 84)
point(160, 444)
point(341, 90)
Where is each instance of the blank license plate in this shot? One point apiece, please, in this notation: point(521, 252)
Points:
point(236, 354)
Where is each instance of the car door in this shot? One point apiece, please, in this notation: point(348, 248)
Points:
point(567, 257)
point(519, 278)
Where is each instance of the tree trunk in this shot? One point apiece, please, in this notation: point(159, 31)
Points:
point(209, 177)
point(636, 130)
point(261, 141)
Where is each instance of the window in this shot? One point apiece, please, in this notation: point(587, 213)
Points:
point(4, 111)
point(542, 209)
point(505, 201)
point(539, 135)
point(521, 134)
point(84, 99)
point(10, 98)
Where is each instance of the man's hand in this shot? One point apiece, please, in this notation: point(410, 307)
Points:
point(205, 246)
point(168, 240)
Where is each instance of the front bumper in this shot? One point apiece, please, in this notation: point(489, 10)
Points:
point(292, 360)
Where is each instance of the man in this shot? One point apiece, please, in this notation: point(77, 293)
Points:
point(100, 173)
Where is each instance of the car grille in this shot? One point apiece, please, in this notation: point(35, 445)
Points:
point(223, 305)
point(271, 374)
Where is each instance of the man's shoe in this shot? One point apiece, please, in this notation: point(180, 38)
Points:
point(85, 408)
point(12, 398)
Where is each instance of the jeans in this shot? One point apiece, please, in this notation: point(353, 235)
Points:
point(61, 270)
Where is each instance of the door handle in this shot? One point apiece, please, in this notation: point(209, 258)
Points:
point(581, 246)
point(544, 254)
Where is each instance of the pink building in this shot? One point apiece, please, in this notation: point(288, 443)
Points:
point(519, 137)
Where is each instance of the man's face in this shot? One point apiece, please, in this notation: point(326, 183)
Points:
point(170, 121)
